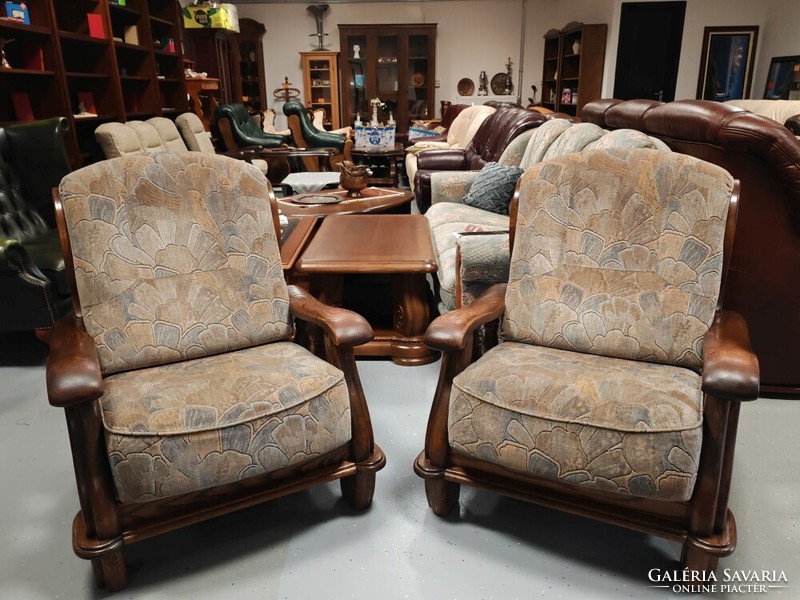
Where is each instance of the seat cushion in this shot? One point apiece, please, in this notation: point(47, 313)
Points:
point(210, 421)
point(447, 221)
point(613, 424)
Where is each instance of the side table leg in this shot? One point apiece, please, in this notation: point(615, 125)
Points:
point(410, 318)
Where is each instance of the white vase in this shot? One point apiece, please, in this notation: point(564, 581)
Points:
point(576, 47)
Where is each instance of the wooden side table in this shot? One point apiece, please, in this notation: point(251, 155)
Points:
point(396, 247)
point(382, 160)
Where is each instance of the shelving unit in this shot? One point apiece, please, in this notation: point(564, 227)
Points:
point(396, 63)
point(62, 66)
point(321, 84)
point(572, 73)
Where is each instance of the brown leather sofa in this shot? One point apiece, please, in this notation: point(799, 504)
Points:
point(764, 278)
point(494, 134)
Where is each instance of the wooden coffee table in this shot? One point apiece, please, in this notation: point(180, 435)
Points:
point(375, 200)
point(377, 264)
point(383, 161)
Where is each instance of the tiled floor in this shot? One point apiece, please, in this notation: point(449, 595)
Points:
point(311, 546)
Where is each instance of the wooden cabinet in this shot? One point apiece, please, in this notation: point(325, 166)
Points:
point(92, 61)
point(251, 64)
point(572, 74)
point(321, 84)
point(396, 63)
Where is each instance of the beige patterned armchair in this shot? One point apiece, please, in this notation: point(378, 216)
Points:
point(615, 390)
point(185, 392)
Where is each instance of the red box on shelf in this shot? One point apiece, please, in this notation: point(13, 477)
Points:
point(96, 28)
point(22, 106)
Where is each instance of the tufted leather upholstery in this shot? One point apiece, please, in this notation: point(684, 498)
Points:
point(492, 137)
point(238, 130)
point(764, 279)
point(33, 283)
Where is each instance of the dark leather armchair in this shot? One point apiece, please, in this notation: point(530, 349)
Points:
point(238, 130)
point(764, 279)
point(494, 134)
point(306, 135)
point(33, 284)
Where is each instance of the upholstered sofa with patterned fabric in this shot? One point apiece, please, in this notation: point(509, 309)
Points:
point(471, 244)
point(490, 141)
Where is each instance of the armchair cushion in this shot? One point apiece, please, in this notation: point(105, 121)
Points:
point(231, 415)
point(611, 424)
point(493, 188)
point(613, 282)
point(204, 299)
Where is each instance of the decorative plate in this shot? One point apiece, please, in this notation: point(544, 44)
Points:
point(418, 79)
point(498, 84)
point(317, 199)
point(465, 87)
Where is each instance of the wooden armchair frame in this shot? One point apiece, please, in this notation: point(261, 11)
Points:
point(104, 526)
point(703, 524)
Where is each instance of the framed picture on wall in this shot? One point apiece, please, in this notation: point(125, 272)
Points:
point(783, 79)
point(727, 62)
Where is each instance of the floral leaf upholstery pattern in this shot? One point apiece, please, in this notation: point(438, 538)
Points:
point(222, 418)
point(168, 268)
point(447, 223)
point(618, 425)
point(619, 253)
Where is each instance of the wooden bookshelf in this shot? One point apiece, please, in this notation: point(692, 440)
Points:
point(93, 54)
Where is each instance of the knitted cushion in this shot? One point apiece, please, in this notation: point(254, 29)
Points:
point(493, 188)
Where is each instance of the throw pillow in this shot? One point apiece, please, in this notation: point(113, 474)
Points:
point(493, 188)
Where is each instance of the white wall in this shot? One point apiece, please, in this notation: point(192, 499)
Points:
point(475, 35)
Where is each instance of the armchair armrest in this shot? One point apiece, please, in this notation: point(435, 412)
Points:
point(451, 331)
point(793, 124)
point(73, 371)
point(730, 368)
point(13, 254)
point(482, 260)
point(450, 186)
point(442, 160)
point(344, 327)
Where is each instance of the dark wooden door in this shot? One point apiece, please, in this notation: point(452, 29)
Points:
point(649, 50)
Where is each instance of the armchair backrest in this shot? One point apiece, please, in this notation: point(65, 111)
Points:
point(33, 159)
point(189, 233)
point(117, 139)
point(171, 138)
point(619, 252)
point(466, 124)
point(238, 129)
point(193, 133)
point(148, 136)
point(300, 122)
point(495, 133)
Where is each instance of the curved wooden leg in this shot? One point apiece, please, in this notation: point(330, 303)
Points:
point(442, 495)
point(110, 570)
point(358, 489)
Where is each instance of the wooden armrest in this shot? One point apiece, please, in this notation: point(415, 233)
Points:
point(730, 368)
point(73, 371)
point(345, 328)
point(452, 330)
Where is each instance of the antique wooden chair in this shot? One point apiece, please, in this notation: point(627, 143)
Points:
point(615, 390)
point(185, 392)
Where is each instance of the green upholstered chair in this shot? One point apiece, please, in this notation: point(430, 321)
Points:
point(33, 282)
point(615, 390)
point(307, 135)
point(238, 130)
point(186, 393)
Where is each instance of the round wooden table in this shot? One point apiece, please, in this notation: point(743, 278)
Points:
point(374, 200)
